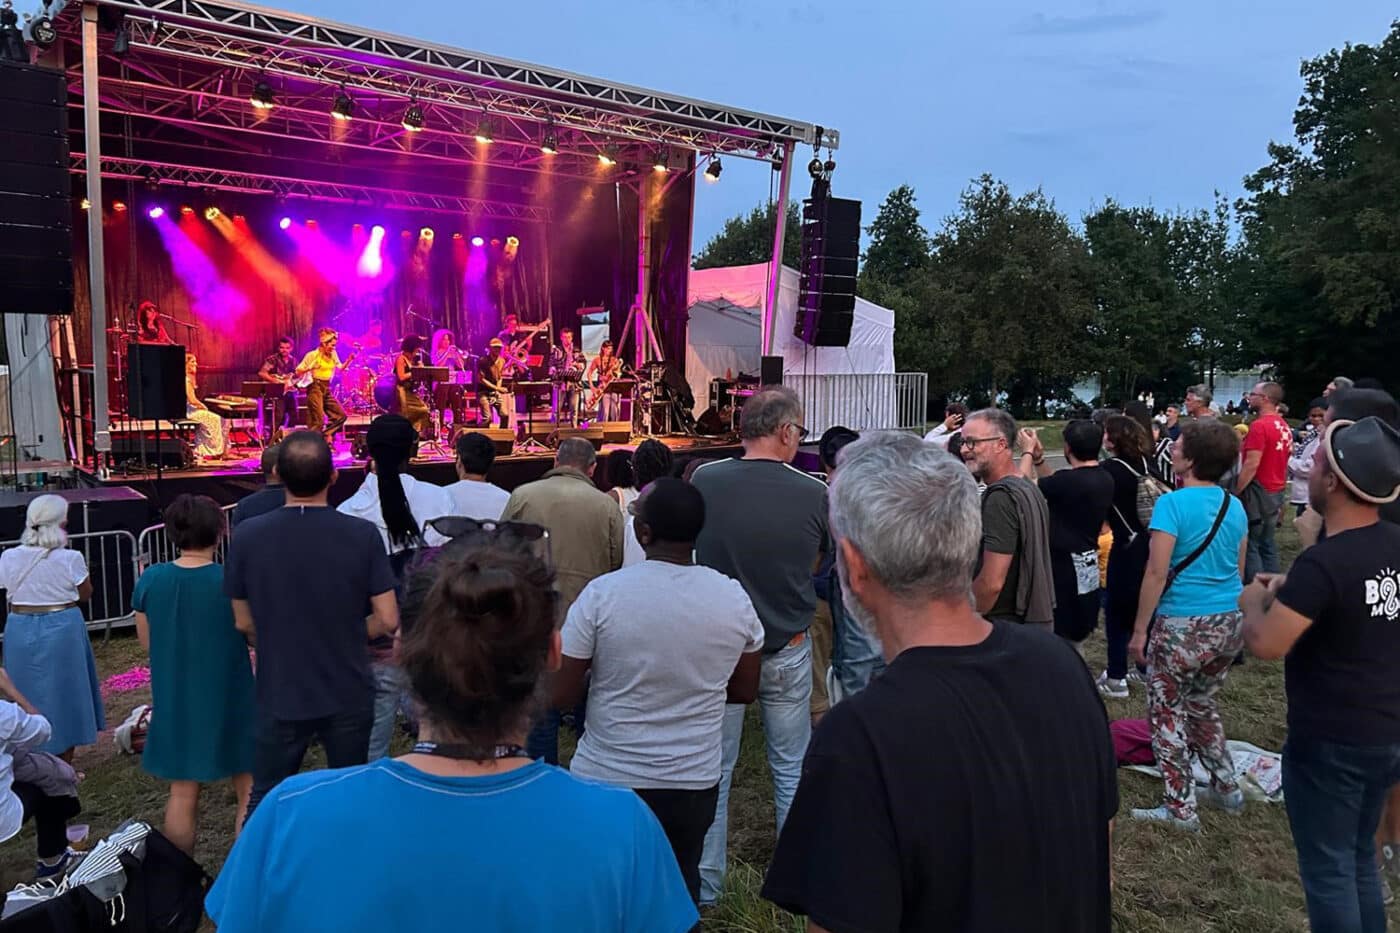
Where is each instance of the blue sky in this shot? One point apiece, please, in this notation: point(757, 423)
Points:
point(1147, 103)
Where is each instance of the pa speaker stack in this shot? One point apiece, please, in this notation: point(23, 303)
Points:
point(826, 305)
point(36, 225)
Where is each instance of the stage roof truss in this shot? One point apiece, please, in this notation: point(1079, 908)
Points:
point(179, 179)
point(455, 87)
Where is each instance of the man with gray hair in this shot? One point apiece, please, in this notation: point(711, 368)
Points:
point(972, 786)
point(765, 526)
point(1198, 399)
point(1014, 581)
point(585, 542)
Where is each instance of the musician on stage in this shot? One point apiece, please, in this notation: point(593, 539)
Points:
point(491, 391)
point(566, 366)
point(509, 325)
point(149, 326)
point(410, 405)
point(323, 363)
point(210, 439)
point(606, 367)
point(280, 369)
point(446, 353)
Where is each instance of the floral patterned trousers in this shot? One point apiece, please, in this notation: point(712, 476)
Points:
point(1188, 660)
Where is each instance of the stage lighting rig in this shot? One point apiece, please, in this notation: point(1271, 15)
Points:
point(713, 170)
point(211, 213)
point(659, 162)
point(413, 117)
point(41, 29)
point(485, 131)
point(549, 145)
point(344, 108)
point(263, 97)
point(608, 156)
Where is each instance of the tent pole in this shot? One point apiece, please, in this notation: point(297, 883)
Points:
point(97, 264)
point(775, 268)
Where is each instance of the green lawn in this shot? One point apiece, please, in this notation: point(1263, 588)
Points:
point(1238, 875)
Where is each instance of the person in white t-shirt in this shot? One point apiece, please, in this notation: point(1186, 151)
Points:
point(660, 679)
point(953, 417)
point(472, 496)
point(651, 461)
point(22, 731)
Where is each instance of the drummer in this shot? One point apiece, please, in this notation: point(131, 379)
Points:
point(566, 365)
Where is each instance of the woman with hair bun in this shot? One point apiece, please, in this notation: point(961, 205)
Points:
point(465, 831)
point(47, 651)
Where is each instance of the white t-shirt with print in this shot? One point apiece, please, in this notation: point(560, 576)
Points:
point(664, 639)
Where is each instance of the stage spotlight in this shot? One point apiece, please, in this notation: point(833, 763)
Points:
point(814, 167)
point(311, 223)
point(659, 162)
point(211, 213)
point(426, 233)
point(608, 156)
point(485, 132)
point(376, 230)
point(156, 213)
point(456, 236)
point(550, 144)
point(830, 165)
point(285, 223)
point(121, 42)
point(713, 169)
point(186, 210)
point(343, 108)
point(263, 97)
point(85, 204)
point(512, 242)
point(413, 118)
point(41, 29)
point(118, 206)
point(478, 241)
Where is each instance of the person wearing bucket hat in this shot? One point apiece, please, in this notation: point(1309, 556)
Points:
point(1336, 616)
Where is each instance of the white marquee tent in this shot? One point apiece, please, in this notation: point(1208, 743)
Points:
point(723, 335)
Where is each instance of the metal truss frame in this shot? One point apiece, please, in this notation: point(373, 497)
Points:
point(183, 177)
point(455, 88)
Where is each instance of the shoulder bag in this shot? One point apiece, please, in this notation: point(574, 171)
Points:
point(1191, 558)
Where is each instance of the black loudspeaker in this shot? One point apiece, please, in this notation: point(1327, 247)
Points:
point(615, 432)
point(36, 214)
point(594, 434)
point(830, 250)
point(770, 370)
point(156, 386)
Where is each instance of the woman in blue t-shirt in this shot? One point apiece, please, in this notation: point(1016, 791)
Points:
point(1193, 582)
point(465, 831)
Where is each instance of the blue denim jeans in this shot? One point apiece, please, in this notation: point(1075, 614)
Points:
point(390, 689)
point(1334, 795)
point(856, 656)
point(1261, 551)
point(784, 705)
point(543, 740)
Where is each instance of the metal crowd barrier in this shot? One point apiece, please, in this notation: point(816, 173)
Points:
point(863, 401)
point(111, 558)
point(155, 547)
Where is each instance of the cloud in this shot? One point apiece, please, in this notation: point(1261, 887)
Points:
point(1041, 24)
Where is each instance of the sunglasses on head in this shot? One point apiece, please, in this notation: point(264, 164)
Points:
point(455, 526)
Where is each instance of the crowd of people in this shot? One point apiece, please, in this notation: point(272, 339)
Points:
point(909, 621)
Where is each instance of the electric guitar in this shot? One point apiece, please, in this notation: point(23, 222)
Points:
point(304, 380)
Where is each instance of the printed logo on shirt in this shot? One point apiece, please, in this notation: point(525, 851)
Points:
point(1383, 596)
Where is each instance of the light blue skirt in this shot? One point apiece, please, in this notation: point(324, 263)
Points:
point(49, 658)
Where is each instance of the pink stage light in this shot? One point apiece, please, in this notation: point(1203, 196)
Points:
point(377, 231)
point(156, 213)
point(478, 241)
point(285, 223)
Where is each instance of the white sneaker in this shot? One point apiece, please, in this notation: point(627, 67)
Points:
point(1115, 688)
point(1163, 815)
point(1136, 676)
point(1232, 803)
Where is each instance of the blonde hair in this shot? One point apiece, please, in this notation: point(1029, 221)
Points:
point(43, 523)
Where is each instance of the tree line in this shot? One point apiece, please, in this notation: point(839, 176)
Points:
point(1010, 299)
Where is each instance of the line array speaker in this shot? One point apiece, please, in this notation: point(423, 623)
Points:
point(830, 252)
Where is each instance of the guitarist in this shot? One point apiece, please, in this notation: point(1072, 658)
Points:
point(321, 365)
point(279, 369)
point(606, 367)
point(409, 404)
point(491, 391)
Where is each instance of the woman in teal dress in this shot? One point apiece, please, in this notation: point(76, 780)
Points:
point(201, 678)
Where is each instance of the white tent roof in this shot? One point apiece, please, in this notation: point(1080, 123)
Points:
point(724, 330)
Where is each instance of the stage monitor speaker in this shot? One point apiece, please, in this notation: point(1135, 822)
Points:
point(503, 439)
point(826, 298)
point(36, 200)
point(594, 434)
point(615, 432)
point(770, 371)
point(156, 381)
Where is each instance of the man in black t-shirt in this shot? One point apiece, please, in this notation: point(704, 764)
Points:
point(1078, 500)
point(972, 786)
point(303, 580)
point(1336, 616)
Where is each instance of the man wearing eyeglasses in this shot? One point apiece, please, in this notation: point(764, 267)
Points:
point(1014, 582)
point(765, 526)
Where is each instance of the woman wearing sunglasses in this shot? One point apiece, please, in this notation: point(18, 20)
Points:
point(465, 831)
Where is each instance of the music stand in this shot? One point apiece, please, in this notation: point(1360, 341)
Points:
point(263, 391)
point(431, 376)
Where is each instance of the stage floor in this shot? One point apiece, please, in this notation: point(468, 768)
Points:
point(228, 481)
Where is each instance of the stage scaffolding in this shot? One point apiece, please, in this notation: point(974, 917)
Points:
point(189, 65)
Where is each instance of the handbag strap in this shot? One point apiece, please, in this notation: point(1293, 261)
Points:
point(1191, 558)
point(10, 592)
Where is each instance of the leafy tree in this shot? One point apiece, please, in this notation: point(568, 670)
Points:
point(899, 244)
point(748, 239)
point(1319, 276)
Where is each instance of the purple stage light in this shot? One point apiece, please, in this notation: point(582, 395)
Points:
point(285, 223)
point(376, 230)
point(156, 213)
point(478, 241)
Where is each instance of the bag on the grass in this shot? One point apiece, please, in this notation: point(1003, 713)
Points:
point(130, 736)
point(1132, 741)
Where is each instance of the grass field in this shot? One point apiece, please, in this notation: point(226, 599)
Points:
point(1238, 875)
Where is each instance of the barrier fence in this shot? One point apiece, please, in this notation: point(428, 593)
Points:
point(863, 401)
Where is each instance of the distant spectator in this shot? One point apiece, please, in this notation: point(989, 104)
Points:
point(1173, 423)
point(622, 481)
point(651, 461)
point(1198, 399)
point(954, 414)
point(1339, 384)
point(473, 495)
point(1263, 478)
point(1300, 462)
point(200, 672)
point(271, 496)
